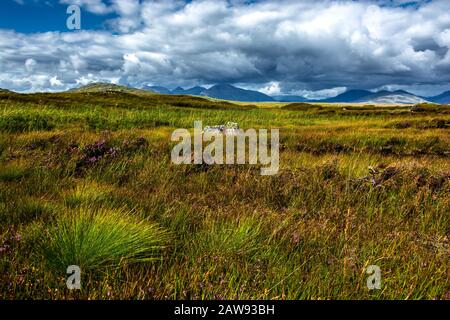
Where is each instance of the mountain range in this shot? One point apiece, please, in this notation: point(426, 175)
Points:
point(219, 91)
point(230, 92)
point(380, 97)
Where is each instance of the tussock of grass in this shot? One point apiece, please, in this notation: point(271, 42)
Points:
point(94, 239)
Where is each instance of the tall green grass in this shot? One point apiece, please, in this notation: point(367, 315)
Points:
point(21, 122)
point(94, 239)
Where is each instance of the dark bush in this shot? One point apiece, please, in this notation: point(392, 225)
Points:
point(302, 106)
point(402, 125)
point(93, 153)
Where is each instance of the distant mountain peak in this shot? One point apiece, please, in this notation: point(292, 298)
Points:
point(227, 91)
point(226, 86)
point(443, 98)
point(196, 91)
point(157, 89)
point(402, 91)
point(349, 96)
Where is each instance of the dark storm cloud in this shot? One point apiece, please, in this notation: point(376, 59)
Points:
point(276, 46)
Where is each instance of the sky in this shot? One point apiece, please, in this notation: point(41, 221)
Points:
point(312, 48)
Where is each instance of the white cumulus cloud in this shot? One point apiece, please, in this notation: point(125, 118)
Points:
point(282, 47)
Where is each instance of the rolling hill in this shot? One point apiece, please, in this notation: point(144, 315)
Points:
point(100, 87)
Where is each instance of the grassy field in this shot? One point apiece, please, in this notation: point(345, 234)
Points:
point(86, 179)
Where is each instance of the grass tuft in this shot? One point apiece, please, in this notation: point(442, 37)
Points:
point(94, 239)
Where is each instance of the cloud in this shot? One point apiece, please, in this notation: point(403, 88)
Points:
point(93, 6)
point(272, 88)
point(310, 47)
point(30, 65)
point(321, 94)
point(129, 12)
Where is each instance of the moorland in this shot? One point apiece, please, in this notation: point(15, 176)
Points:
point(86, 179)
